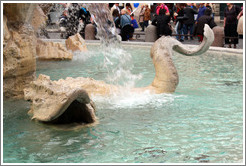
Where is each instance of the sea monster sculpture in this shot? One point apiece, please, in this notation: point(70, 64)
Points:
point(58, 101)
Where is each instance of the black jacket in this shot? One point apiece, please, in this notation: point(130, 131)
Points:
point(161, 21)
point(189, 12)
point(205, 19)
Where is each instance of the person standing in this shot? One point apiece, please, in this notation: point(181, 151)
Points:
point(201, 11)
point(141, 17)
point(116, 6)
point(161, 21)
point(162, 6)
point(240, 24)
point(179, 22)
point(147, 17)
point(189, 22)
point(230, 24)
point(129, 10)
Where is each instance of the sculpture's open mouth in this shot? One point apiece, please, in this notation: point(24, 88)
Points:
point(54, 103)
point(75, 113)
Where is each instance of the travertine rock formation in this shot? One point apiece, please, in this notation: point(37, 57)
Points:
point(57, 103)
point(19, 49)
point(52, 51)
point(39, 19)
point(67, 101)
point(76, 43)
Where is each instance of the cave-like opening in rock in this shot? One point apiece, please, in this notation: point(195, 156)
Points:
point(76, 113)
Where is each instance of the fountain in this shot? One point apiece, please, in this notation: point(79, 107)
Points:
point(163, 123)
point(43, 92)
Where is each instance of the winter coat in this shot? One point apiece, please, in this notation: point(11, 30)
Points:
point(147, 14)
point(205, 19)
point(189, 12)
point(161, 21)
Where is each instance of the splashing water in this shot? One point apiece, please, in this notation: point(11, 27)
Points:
point(117, 61)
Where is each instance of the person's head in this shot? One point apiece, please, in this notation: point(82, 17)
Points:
point(229, 4)
point(116, 4)
point(123, 11)
point(182, 5)
point(146, 6)
point(128, 5)
point(162, 11)
point(115, 13)
point(202, 4)
point(208, 12)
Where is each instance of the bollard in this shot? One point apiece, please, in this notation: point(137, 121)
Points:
point(90, 32)
point(151, 34)
point(218, 36)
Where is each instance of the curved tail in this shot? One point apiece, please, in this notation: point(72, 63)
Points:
point(203, 47)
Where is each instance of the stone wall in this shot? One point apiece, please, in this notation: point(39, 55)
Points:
point(19, 48)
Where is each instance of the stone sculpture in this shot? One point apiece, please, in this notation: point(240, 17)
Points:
point(60, 95)
point(52, 51)
point(56, 103)
point(76, 43)
point(19, 48)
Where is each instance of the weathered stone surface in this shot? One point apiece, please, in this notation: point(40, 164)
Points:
point(39, 18)
point(76, 43)
point(19, 51)
point(166, 76)
point(45, 7)
point(57, 103)
point(6, 33)
point(19, 13)
point(90, 32)
point(19, 61)
point(151, 34)
point(218, 36)
point(52, 51)
point(68, 101)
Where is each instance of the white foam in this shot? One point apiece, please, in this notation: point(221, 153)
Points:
point(128, 99)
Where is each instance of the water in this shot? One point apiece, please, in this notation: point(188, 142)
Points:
point(202, 122)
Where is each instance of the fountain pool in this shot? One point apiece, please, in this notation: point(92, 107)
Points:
point(201, 122)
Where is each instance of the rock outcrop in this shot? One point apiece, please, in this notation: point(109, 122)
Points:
point(58, 103)
point(19, 48)
point(76, 43)
point(39, 19)
point(21, 20)
point(52, 51)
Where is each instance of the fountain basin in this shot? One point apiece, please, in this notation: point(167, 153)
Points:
point(202, 121)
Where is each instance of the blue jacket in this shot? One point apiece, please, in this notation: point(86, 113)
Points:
point(201, 12)
point(125, 20)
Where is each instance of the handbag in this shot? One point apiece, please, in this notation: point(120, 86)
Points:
point(134, 23)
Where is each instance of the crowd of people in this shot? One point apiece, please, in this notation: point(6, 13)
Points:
point(188, 18)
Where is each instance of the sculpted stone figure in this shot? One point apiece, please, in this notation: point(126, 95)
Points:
point(56, 103)
point(61, 95)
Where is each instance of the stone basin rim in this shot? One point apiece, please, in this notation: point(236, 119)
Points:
point(144, 44)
